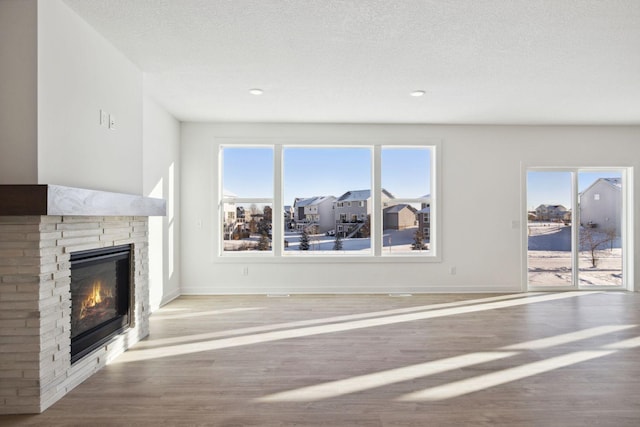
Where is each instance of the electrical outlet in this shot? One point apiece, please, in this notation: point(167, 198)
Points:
point(112, 122)
point(245, 271)
point(452, 271)
point(104, 118)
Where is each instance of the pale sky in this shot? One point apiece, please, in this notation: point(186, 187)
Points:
point(554, 188)
point(307, 172)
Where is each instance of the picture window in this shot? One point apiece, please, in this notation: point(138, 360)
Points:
point(329, 197)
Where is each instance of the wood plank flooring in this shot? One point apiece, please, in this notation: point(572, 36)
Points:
point(536, 359)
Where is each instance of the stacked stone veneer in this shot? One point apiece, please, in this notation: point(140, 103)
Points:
point(35, 303)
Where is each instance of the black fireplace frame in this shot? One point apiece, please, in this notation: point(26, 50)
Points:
point(95, 337)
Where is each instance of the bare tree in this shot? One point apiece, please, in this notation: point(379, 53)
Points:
point(612, 235)
point(591, 241)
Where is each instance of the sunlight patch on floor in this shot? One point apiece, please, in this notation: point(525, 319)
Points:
point(483, 382)
point(379, 379)
point(391, 376)
point(152, 343)
point(139, 354)
point(624, 345)
point(567, 338)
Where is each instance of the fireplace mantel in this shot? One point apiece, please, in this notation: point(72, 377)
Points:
point(41, 226)
point(17, 200)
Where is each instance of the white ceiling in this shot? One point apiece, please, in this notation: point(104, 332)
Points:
point(356, 61)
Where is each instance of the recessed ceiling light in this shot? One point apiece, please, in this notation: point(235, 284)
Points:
point(256, 91)
point(417, 93)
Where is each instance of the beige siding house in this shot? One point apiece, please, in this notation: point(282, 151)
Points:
point(352, 209)
point(551, 213)
point(399, 217)
point(315, 214)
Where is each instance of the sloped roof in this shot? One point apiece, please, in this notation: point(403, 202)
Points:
point(613, 182)
point(559, 207)
point(389, 195)
point(616, 182)
point(312, 201)
point(398, 208)
point(358, 195)
point(424, 210)
point(355, 195)
point(305, 202)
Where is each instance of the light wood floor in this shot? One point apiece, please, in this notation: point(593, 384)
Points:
point(552, 359)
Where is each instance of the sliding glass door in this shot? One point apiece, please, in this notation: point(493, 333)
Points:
point(600, 200)
point(575, 228)
point(549, 237)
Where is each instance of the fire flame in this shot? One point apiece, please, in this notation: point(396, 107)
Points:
point(94, 298)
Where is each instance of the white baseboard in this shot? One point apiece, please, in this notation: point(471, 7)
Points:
point(225, 289)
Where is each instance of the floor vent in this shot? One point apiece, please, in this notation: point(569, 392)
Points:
point(277, 295)
point(400, 295)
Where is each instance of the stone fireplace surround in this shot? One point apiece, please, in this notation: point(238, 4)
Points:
point(40, 226)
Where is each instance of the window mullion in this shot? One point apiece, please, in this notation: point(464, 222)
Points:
point(575, 230)
point(376, 211)
point(277, 220)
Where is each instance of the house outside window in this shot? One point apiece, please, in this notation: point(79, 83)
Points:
point(247, 179)
point(330, 200)
point(407, 172)
point(321, 174)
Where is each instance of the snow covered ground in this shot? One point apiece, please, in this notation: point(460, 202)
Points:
point(549, 254)
point(549, 259)
point(394, 242)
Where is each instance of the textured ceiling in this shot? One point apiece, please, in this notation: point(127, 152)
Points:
point(479, 61)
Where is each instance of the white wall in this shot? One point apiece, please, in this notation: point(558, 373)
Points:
point(56, 74)
point(480, 200)
point(18, 92)
point(79, 73)
point(161, 179)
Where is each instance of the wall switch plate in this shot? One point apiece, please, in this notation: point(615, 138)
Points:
point(112, 121)
point(104, 118)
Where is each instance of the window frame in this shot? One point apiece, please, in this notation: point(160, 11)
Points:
point(627, 233)
point(277, 253)
point(223, 200)
point(414, 200)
